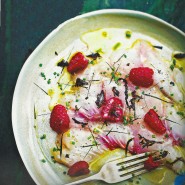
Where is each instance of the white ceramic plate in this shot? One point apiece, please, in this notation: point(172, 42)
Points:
point(33, 151)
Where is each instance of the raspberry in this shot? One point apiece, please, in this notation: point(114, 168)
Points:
point(59, 120)
point(152, 119)
point(112, 110)
point(79, 168)
point(141, 76)
point(150, 164)
point(77, 63)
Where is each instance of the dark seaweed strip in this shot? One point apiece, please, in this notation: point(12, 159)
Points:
point(80, 82)
point(126, 148)
point(133, 101)
point(63, 63)
point(76, 108)
point(126, 90)
point(115, 91)
point(158, 47)
point(94, 56)
point(179, 55)
point(100, 99)
point(161, 155)
point(79, 122)
point(41, 89)
point(133, 106)
point(146, 142)
point(61, 146)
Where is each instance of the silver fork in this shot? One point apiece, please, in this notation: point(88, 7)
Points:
point(119, 169)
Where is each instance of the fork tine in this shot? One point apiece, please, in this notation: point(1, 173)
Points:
point(121, 160)
point(131, 175)
point(132, 163)
point(126, 171)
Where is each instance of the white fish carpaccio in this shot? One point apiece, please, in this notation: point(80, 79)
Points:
point(85, 142)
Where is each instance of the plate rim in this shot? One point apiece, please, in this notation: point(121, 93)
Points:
point(48, 37)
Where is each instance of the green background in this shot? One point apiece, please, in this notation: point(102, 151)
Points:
point(24, 24)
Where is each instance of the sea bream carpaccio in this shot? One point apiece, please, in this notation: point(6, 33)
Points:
point(118, 90)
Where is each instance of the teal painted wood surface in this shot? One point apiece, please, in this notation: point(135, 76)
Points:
point(24, 24)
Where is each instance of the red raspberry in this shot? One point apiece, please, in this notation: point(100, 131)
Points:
point(141, 76)
point(79, 168)
point(150, 164)
point(152, 119)
point(77, 63)
point(59, 120)
point(113, 110)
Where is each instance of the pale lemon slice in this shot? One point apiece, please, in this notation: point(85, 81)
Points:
point(99, 161)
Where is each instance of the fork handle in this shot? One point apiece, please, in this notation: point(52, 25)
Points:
point(93, 177)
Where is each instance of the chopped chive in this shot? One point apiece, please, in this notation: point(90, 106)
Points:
point(104, 34)
point(174, 62)
point(172, 83)
point(56, 149)
point(89, 137)
point(128, 34)
point(172, 67)
point(181, 68)
point(43, 160)
point(49, 81)
point(96, 130)
point(43, 136)
point(125, 122)
point(99, 50)
point(180, 113)
point(116, 46)
point(137, 87)
point(91, 62)
point(40, 65)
